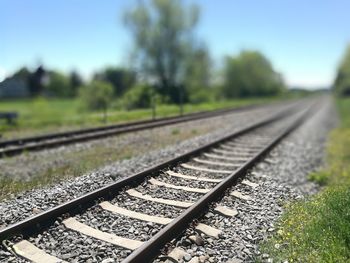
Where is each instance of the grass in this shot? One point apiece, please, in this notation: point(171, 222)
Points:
point(320, 177)
point(175, 131)
point(40, 115)
point(318, 229)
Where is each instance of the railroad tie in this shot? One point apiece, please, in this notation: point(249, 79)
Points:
point(237, 194)
point(178, 187)
point(246, 145)
point(270, 161)
point(208, 230)
point(239, 154)
point(203, 169)
point(219, 209)
point(221, 157)
point(203, 179)
point(134, 193)
point(73, 224)
point(34, 254)
point(177, 254)
point(129, 213)
point(215, 163)
point(249, 183)
point(237, 149)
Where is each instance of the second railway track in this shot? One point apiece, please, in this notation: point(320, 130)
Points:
point(169, 197)
point(34, 143)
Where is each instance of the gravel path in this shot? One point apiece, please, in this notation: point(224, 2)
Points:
point(282, 177)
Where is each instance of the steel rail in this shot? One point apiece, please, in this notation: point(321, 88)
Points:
point(17, 146)
point(99, 128)
point(32, 224)
point(151, 248)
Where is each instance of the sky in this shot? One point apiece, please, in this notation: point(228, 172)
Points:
point(304, 39)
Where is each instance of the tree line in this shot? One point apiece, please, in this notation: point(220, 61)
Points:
point(342, 81)
point(170, 64)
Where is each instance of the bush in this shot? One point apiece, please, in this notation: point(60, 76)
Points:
point(96, 95)
point(139, 96)
point(59, 85)
point(250, 74)
point(200, 96)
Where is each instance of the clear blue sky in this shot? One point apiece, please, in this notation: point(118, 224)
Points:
point(304, 39)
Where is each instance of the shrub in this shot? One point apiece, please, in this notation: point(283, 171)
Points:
point(139, 96)
point(200, 96)
point(96, 96)
point(250, 74)
point(58, 85)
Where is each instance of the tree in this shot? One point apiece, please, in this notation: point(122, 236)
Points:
point(75, 82)
point(36, 81)
point(58, 85)
point(96, 96)
point(23, 74)
point(121, 79)
point(162, 32)
point(250, 74)
point(197, 75)
point(342, 81)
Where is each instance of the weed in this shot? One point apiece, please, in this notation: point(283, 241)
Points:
point(320, 177)
point(175, 131)
point(318, 229)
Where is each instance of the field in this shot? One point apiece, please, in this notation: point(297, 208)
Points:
point(318, 229)
point(37, 116)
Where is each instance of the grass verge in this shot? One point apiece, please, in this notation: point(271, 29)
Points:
point(318, 229)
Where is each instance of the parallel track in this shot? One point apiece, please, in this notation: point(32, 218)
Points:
point(151, 248)
point(17, 146)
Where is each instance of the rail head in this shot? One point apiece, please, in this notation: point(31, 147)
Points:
point(179, 118)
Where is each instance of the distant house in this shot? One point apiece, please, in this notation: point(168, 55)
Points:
point(13, 88)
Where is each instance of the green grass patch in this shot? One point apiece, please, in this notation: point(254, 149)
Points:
point(321, 177)
point(318, 229)
point(175, 131)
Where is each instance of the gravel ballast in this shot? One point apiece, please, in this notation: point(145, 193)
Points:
point(34, 201)
point(282, 177)
point(301, 151)
point(30, 164)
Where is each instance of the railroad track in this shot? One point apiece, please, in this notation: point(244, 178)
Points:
point(174, 194)
point(17, 146)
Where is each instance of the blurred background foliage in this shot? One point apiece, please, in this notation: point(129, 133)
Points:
point(342, 81)
point(169, 65)
point(168, 61)
point(251, 74)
